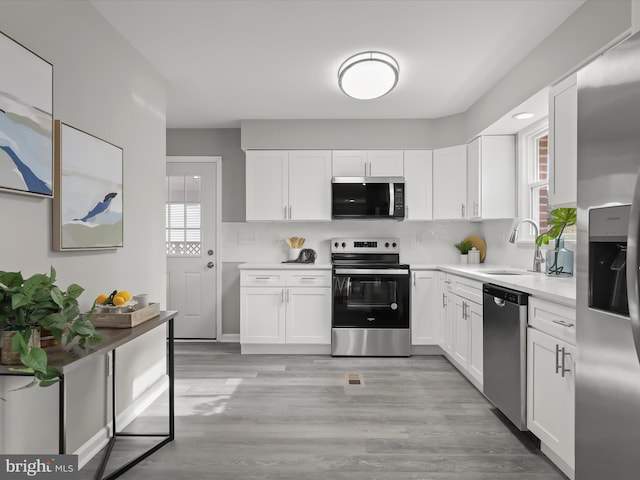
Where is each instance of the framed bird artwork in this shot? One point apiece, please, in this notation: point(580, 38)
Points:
point(88, 207)
point(26, 121)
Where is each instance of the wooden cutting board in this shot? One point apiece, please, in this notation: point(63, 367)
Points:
point(480, 245)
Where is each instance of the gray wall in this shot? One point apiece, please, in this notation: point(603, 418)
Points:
point(220, 141)
point(102, 86)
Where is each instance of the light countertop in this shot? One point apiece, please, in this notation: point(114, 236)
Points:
point(285, 266)
point(555, 289)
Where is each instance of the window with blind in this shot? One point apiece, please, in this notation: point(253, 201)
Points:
point(183, 216)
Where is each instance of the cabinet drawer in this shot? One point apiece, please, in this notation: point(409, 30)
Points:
point(467, 288)
point(264, 278)
point(556, 320)
point(309, 278)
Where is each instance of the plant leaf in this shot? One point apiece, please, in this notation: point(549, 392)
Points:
point(74, 290)
point(57, 297)
point(36, 359)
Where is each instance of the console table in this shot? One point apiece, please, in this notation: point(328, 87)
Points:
point(112, 338)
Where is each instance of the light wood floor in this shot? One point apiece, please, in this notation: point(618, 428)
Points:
point(293, 417)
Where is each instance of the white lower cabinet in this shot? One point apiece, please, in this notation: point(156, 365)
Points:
point(425, 310)
point(551, 395)
point(460, 328)
point(285, 307)
point(445, 327)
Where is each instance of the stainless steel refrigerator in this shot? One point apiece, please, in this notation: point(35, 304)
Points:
point(608, 315)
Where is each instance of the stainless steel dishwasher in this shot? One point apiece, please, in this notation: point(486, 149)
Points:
point(505, 350)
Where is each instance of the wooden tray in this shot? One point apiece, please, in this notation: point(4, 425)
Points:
point(127, 319)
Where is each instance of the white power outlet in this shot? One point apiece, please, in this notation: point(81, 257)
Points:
point(246, 239)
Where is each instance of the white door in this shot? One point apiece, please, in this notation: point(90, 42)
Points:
point(385, 163)
point(308, 318)
point(262, 315)
point(418, 174)
point(474, 314)
point(191, 242)
point(460, 332)
point(425, 309)
point(349, 163)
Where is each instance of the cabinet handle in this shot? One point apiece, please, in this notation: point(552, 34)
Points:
point(462, 210)
point(563, 323)
point(444, 300)
point(564, 355)
point(414, 279)
point(285, 212)
point(307, 278)
point(287, 295)
point(464, 310)
point(289, 212)
point(476, 210)
point(262, 278)
point(557, 358)
point(282, 296)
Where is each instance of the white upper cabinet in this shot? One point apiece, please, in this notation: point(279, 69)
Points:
point(288, 185)
point(267, 185)
point(386, 163)
point(418, 187)
point(349, 163)
point(491, 177)
point(310, 185)
point(368, 163)
point(563, 143)
point(450, 183)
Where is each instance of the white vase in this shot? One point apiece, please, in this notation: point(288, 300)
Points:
point(464, 258)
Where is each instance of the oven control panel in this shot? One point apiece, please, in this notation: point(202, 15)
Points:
point(352, 245)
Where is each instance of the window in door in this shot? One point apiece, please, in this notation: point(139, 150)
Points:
point(183, 218)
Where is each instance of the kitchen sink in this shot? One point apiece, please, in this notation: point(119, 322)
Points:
point(507, 272)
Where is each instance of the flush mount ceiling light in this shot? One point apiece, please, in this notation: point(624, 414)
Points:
point(523, 115)
point(368, 75)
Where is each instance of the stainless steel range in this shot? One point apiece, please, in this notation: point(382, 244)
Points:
point(370, 298)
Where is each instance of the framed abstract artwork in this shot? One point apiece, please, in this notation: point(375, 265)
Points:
point(26, 121)
point(88, 207)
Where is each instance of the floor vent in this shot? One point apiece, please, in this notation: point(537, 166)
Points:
point(354, 379)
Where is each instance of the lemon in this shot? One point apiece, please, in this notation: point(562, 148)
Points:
point(102, 298)
point(125, 294)
point(119, 300)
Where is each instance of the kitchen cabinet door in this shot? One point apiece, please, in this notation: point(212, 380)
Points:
point(308, 318)
point(385, 163)
point(445, 303)
point(450, 183)
point(563, 143)
point(551, 393)
point(418, 187)
point(309, 185)
point(491, 177)
point(262, 315)
point(460, 332)
point(267, 194)
point(349, 163)
point(474, 319)
point(425, 309)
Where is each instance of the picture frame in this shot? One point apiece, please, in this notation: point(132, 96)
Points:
point(88, 206)
point(26, 121)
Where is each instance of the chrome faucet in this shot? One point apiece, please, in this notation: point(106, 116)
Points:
point(537, 254)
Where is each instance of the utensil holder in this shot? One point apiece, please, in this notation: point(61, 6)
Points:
point(294, 253)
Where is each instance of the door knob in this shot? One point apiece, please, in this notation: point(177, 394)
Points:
point(210, 265)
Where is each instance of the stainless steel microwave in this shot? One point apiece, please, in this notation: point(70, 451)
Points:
point(367, 197)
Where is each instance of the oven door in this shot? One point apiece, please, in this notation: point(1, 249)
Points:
point(370, 297)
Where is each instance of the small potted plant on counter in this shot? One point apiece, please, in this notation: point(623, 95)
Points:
point(464, 247)
point(559, 259)
point(26, 305)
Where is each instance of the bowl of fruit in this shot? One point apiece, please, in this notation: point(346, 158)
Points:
point(115, 302)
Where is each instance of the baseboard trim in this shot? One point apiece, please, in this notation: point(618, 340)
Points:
point(91, 447)
point(279, 348)
point(426, 350)
point(230, 338)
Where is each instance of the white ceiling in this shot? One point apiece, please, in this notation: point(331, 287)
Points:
point(225, 61)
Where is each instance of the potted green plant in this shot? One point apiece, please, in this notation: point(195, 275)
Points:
point(464, 247)
point(559, 259)
point(36, 302)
